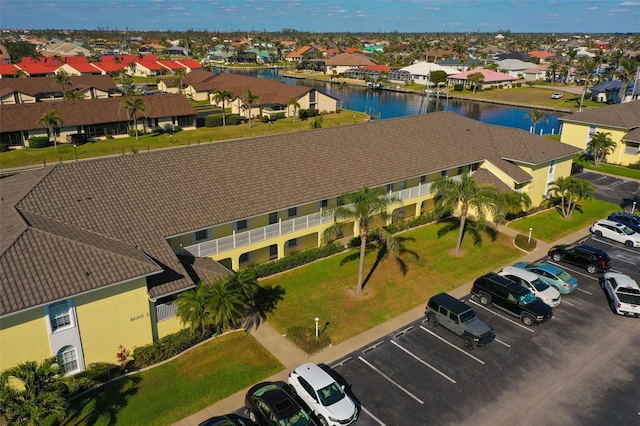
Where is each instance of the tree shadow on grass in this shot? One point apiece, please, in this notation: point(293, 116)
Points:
point(102, 405)
point(264, 302)
point(452, 224)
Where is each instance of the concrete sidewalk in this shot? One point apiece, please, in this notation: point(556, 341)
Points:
point(290, 356)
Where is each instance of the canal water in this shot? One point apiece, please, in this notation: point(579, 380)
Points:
point(382, 104)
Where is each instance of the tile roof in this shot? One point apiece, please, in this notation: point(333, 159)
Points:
point(348, 59)
point(623, 116)
point(19, 117)
point(190, 63)
point(137, 201)
point(172, 65)
point(8, 69)
point(36, 69)
point(489, 75)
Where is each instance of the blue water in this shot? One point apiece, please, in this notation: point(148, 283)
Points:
point(383, 104)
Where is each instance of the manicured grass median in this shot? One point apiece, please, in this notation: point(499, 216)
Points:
point(177, 389)
point(549, 225)
point(325, 289)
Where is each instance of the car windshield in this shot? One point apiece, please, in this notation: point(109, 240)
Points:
point(299, 418)
point(564, 276)
point(330, 394)
point(468, 315)
point(539, 285)
point(628, 231)
point(525, 299)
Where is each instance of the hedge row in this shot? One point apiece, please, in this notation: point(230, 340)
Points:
point(170, 346)
point(296, 259)
point(39, 142)
point(215, 120)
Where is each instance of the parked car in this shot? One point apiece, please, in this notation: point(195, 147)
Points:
point(229, 420)
point(460, 319)
point(531, 282)
point(591, 258)
point(616, 231)
point(512, 298)
point(556, 95)
point(270, 405)
point(623, 293)
point(322, 394)
point(552, 275)
point(631, 220)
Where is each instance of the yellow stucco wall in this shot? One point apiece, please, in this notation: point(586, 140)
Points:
point(577, 135)
point(113, 316)
point(169, 326)
point(24, 337)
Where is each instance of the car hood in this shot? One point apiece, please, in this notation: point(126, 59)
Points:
point(343, 409)
point(477, 327)
point(550, 293)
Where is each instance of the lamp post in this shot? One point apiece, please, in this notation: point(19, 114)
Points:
point(317, 334)
point(633, 207)
point(75, 150)
point(529, 240)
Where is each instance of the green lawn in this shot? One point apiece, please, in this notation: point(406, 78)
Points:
point(609, 168)
point(325, 289)
point(177, 389)
point(549, 225)
point(129, 145)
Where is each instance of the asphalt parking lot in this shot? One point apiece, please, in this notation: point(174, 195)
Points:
point(582, 367)
point(617, 190)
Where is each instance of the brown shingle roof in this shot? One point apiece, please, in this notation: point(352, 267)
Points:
point(19, 117)
point(347, 59)
point(34, 85)
point(623, 116)
point(140, 200)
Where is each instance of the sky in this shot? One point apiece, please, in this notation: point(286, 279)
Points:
point(424, 16)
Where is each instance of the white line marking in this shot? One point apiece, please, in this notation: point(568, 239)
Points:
point(390, 380)
point(425, 363)
point(370, 414)
point(452, 345)
point(503, 317)
point(585, 291)
point(500, 341)
point(564, 302)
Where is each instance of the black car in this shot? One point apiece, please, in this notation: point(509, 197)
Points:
point(591, 258)
point(512, 298)
point(631, 220)
point(269, 404)
point(229, 420)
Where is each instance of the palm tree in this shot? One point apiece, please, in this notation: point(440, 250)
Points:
point(585, 67)
point(192, 307)
point(625, 73)
point(226, 303)
point(570, 190)
point(293, 102)
point(132, 107)
point(63, 78)
point(553, 68)
point(514, 203)
point(537, 116)
point(73, 95)
point(601, 145)
point(248, 102)
point(39, 396)
point(364, 207)
point(51, 120)
point(467, 194)
point(179, 78)
point(223, 96)
point(343, 88)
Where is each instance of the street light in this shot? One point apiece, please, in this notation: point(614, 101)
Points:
point(633, 207)
point(529, 240)
point(317, 334)
point(75, 149)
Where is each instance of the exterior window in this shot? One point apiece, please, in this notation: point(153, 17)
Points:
point(59, 315)
point(68, 359)
point(443, 173)
point(273, 218)
point(244, 257)
point(423, 179)
point(324, 203)
point(292, 243)
point(460, 170)
point(273, 252)
point(292, 212)
point(631, 149)
point(475, 167)
point(593, 130)
point(241, 225)
point(201, 235)
point(552, 166)
point(390, 187)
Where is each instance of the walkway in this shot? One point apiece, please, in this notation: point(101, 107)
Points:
point(290, 356)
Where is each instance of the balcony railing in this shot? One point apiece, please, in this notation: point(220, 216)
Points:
point(166, 311)
point(243, 239)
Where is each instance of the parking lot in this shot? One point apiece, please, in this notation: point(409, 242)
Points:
point(617, 190)
point(582, 367)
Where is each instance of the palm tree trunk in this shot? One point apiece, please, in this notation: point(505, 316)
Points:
point(463, 219)
point(363, 248)
point(224, 118)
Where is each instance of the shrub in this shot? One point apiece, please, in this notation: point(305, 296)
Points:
point(635, 166)
point(170, 346)
point(109, 136)
point(458, 87)
point(177, 128)
point(524, 244)
point(4, 147)
point(233, 120)
point(39, 142)
point(303, 114)
point(280, 116)
point(296, 259)
point(98, 372)
point(266, 118)
point(305, 338)
point(213, 120)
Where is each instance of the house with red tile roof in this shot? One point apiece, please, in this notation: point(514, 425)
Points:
point(343, 62)
point(80, 68)
point(172, 66)
point(189, 64)
point(305, 53)
point(542, 55)
point(9, 71)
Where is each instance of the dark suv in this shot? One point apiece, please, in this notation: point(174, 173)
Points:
point(591, 258)
point(460, 319)
point(512, 298)
point(631, 220)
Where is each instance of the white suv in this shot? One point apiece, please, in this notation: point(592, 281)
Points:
point(323, 395)
point(617, 232)
point(623, 292)
point(533, 283)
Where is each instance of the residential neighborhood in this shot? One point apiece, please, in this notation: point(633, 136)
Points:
point(122, 260)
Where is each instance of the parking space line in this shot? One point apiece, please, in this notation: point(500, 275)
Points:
point(452, 345)
point(564, 302)
point(370, 414)
point(503, 343)
point(424, 362)
point(585, 291)
point(502, 316)
point(390, 380)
